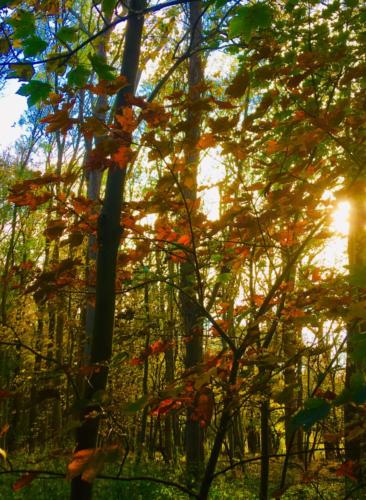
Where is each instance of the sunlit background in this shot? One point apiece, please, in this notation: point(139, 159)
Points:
point(211, 172)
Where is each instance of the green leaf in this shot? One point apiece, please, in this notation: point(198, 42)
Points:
point(290, 5)
point(224, 278)
point(108, 7)
point(24, 72)
point(67, 34)
point(131, 408)
point(35, 90)
point(314, 410)
point(78, 76)
point(357, 388)
point(119, 358)
point(344, 397)
point(23, 23)
point(249, 19)
point(358, 347)
point(102, 69)
point(34, 45)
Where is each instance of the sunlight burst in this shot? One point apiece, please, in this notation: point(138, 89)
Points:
point(340, 222)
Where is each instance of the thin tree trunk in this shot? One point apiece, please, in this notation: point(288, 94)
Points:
point(188, 269)
point(109, 234)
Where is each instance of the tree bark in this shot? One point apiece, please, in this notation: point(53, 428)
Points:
point(109, 234)
point(355, 448)
point(188, 270)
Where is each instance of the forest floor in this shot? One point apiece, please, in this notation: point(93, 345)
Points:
point(319, 483)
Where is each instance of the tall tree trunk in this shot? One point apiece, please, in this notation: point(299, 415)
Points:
point(94, 179)
point(189, 272)
point(355, 448)
point(109, 234)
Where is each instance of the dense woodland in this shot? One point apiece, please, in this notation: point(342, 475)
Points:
point(169, 327)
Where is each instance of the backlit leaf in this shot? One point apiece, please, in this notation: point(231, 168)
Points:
point(67, 34)
point(102, 69)
point(23, 23)
point(35, 91)
point(250, 18)
point(108, 7)
point(78, 76)
point(34, 45)
point(314, 410)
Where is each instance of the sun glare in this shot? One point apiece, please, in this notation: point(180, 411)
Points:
point(334, 253)
point(340, 223)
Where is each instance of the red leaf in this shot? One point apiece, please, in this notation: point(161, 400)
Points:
point(136, 361)
point(5, 394)
point(348, 469)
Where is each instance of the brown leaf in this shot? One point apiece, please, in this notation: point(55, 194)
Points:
point(239, 85)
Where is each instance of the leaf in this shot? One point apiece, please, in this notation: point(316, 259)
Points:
point(23, 23)
point(35, 91)
point(24, 72)
point(273, 147)
point(315, 410)
point(205, 378)
point(67, 34)
point(348, 469)
point(123, 156)
point(206, 141)
point(102, 69)
point(357, 388)
point(24, 480)
point(108, 7)
point(60, 120)
point(5, 394)
point(223, 278)
point(184, 240)
point(3, 454)
point(250, 18)
point(89, 462)
point(204, 405)
point(34, 45)
point(127, 120)
point(4, 46)
point(239, 85)
point(105, 87)
point(134, 407)
point(5, 428)
point(78, 76)
point(358, 347)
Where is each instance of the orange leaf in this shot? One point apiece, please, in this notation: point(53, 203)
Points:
point(273, 147)
point(136, 361)
point(206, 141)
point(184, 240)
point(4, 429)
point(123, 156)
point(127, 120)
point(80, 460)
point(24, 480)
